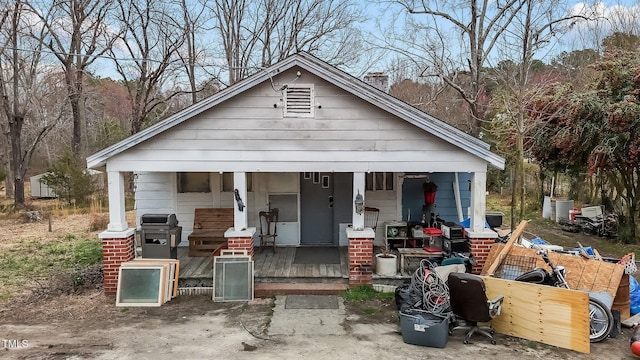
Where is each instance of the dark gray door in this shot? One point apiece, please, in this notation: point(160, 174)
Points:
point(316, 208)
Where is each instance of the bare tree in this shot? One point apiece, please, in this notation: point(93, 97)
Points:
point(21, 86)
point(146, 57)
point(78, 35)
point(472, 27)
point(258, 34)
point(535, 26)
point(194, 17)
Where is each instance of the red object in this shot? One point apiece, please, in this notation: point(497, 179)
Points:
point(432, 231)
point(431, 250)
point(429, 189)
point(573, 213)
point(635, 341)
point(635, 348)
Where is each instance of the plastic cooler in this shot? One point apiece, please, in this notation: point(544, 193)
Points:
point(424, 328)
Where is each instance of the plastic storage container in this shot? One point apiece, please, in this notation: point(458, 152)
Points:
point(432, 238)
point(423, 328)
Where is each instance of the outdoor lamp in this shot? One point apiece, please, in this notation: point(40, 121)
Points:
point(359, 202)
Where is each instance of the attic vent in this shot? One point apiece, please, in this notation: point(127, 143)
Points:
point(298, 101)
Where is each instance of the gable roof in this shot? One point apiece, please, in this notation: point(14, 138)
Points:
point(356, 87)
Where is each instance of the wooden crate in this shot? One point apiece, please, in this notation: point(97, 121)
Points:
point(209, 226)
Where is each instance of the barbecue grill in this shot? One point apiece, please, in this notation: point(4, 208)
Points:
point(159, 236)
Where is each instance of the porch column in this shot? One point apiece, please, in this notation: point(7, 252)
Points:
point(117, 247)
point(240, 204)
point(478, 201)
point(240, 236)
point(360, 239)
point(117, 216)
point(481, 239)
point(358, 188)
point(118, 244)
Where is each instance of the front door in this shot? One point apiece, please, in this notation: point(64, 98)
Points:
point(325, 204)
point(316, 208)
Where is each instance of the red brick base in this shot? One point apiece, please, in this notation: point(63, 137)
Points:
point(480, 248)
point(360, 261)
point(241, 243)
point(115, 251)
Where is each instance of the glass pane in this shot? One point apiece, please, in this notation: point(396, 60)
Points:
point(227, 182)
point(193, 182)
point(233, 278)
point(287, 207)
point(140, 285)
point(369, 181)
point(236, 286)
point(379, 180)
point(388, 182)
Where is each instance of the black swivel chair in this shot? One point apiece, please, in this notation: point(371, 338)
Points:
point(469, 302)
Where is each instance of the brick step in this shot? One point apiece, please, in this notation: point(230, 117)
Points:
point(270, 289)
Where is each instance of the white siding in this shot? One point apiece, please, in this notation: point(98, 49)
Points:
point(155, 194)
point(386, 201)
point(246, 133)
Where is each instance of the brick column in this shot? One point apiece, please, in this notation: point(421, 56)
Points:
point(117, 247)
point(481, 243)
point(360, 256)
point(240, 240)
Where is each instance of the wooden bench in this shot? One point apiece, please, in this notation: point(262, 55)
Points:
point(209, 226)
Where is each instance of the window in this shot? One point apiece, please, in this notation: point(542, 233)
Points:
point(227, 182)
point(379, 181)
point(193, 182)
point(298, 101)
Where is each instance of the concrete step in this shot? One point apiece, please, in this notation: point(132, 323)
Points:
point(264, 289)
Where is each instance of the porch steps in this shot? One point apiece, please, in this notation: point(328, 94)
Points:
point(267, 289)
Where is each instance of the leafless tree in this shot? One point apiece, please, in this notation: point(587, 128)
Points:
point(452, 40)
point(22, 85)
point(192, 54)
point(258, 34)
point(146, 56)
point(537, 25)
point(78, 34)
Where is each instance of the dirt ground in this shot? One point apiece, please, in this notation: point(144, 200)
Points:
point(89, 326)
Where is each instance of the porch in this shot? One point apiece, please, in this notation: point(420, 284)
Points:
point(277, 273)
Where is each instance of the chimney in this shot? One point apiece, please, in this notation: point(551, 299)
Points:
point(378, 80)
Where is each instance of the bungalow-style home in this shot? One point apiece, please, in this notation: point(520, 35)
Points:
point(310, 140)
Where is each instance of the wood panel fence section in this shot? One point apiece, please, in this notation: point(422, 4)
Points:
point(581, 273)
point(546, 314)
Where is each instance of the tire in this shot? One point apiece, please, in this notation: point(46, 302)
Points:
point(600, 320)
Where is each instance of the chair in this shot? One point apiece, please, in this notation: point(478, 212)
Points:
point(371, 217)
point(268, 228)
point(469, 302)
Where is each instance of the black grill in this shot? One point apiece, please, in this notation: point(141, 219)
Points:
point(159, 236)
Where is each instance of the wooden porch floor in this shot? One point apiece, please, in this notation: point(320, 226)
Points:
point(267, 265)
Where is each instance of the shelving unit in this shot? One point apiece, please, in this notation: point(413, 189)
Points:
point(396, 231)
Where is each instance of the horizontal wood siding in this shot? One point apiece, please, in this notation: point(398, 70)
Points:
point(386, 201)
point(154, 194)
point(248, 133)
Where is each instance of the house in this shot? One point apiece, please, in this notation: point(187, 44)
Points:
point(306, 138)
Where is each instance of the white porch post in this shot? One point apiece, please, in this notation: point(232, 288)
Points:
point(358, 188)
point(478, 201)
point(240, 201)
point(117, 216)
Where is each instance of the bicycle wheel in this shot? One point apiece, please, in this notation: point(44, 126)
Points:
point(600, 320)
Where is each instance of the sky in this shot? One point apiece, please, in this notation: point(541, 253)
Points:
point(614, 13)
